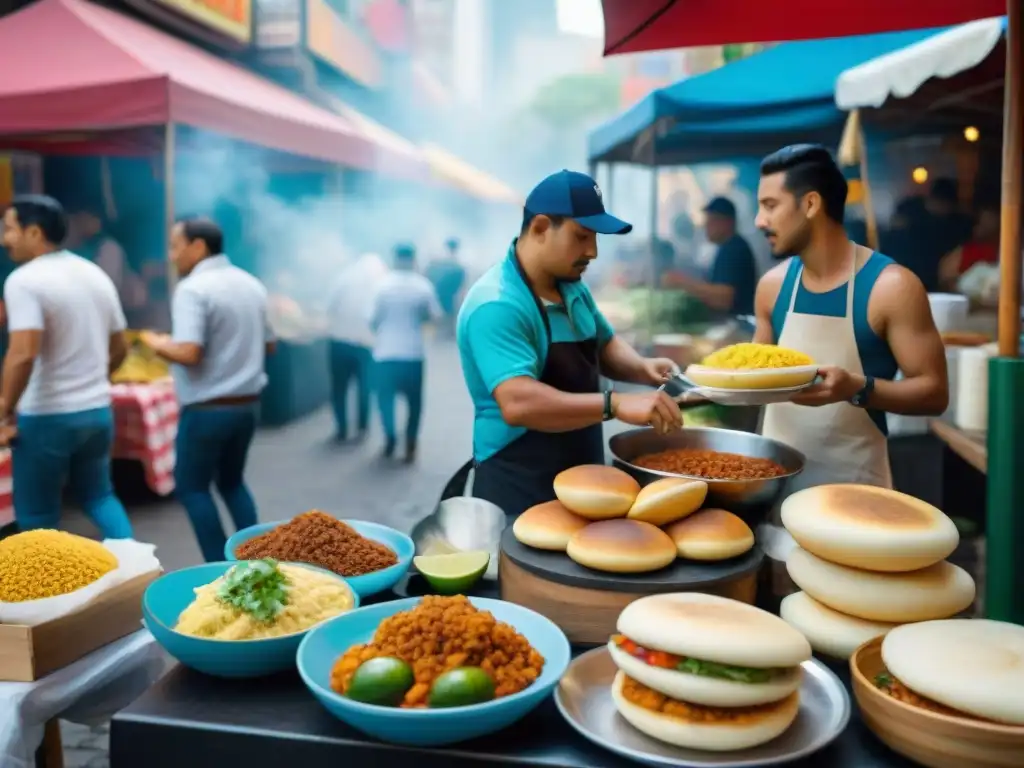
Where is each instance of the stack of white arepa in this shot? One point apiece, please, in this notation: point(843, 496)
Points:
point(974, 666)
point(869, 559)
point(604, 520)
point(706, 672)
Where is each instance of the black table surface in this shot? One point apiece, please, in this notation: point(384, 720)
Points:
point(190, 720)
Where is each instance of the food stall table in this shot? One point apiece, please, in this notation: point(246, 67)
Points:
point(87, 691)
point(145, 425)
point(189, 718)
point(204, 722)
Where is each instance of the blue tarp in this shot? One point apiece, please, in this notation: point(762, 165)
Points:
point(782, 95)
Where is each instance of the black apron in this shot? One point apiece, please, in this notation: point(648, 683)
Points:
point(522, 474)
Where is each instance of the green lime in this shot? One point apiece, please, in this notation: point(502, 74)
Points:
point(382, 681)
point(453, 573)
point(461, 687)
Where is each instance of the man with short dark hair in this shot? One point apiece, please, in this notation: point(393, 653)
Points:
point(218, 346)
point(855, 312)
point(66, 337)
point(405, 301)
point(534, 347)
point(732, 278)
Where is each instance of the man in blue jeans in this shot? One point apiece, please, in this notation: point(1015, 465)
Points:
point(217, 349)
point(405, 301)
point(66, 330)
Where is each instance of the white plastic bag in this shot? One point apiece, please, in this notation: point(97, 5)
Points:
point(134, 559)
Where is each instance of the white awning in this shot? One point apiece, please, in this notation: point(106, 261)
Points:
point(900, 73)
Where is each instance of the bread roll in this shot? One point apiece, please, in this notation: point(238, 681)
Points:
point(703, 690)
point(972, 665)
point(596, 492)
point(829, 632)
point(712, 628)
point(667, 500)
point(867, 527)
point(714, 735)
point(547, 526)
point(711, 534)
point(936, 592)
point(622, 546)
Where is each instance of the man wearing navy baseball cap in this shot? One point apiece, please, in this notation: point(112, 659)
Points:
point(534, 347)
point(732, 279)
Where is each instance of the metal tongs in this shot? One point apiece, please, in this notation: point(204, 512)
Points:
point(680, 389)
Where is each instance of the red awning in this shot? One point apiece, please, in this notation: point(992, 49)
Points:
point(103, 71)
point(650, 25)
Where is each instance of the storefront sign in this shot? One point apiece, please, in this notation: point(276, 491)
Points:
point(278, 24)
point(335, 43)
point(231, 19)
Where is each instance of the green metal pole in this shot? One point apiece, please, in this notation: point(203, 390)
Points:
point(1004, 545)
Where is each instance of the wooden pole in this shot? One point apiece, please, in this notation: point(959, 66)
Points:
point(1013, 169)
point(870, 218)
point(169, 153)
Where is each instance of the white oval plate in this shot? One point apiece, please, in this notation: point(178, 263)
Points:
point(748, 396)
point(584, 698)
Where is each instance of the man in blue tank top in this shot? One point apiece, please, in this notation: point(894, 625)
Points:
point(857, 313)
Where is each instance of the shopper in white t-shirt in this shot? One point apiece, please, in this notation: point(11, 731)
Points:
point(405, 301)
point(66, 330)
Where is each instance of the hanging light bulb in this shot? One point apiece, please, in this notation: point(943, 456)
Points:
point(971, 133)
point(920, 175)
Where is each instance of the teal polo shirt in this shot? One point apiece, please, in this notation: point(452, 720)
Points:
point(501, 336)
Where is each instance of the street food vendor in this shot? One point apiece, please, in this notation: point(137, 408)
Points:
point(534, 347)
point(860, 338)
point(732, 278)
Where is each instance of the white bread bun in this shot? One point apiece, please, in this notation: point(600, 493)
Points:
point(622, 546)
point(707, 691)
point(596, 492)
point(830, 632)
point(759, 727)
point(711, 534)
point(712, 628)
point(547, 526)
point(973, 665)
point(667, 500)
point(867, 527)
point(936, 592)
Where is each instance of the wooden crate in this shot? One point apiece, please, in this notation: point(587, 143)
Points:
point(29, 653)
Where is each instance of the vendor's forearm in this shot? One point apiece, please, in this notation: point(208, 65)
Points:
point(916, 396)
point(541, 408)
point(620, 362)
point(16, 373)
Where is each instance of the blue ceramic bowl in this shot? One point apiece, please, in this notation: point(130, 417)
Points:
point(321, 648)
point(169, 595)
point(369, 583)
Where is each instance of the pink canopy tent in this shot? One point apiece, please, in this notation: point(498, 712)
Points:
point(106, 73)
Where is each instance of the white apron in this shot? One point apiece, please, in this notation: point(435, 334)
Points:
point(840, 441)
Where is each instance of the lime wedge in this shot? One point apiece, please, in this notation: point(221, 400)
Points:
point(453, 573)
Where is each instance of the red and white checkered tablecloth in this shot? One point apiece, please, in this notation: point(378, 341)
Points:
point(145, 425)
point(6, 495)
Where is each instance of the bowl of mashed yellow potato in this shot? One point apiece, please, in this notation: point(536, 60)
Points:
point(242, 619)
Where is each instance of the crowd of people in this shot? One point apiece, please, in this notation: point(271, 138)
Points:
point(66, 325)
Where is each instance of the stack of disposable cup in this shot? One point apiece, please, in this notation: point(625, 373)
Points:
point(869, 559)
point(971, 404)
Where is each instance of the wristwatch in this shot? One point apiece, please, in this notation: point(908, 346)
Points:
point(609, 411)
point(861, 398)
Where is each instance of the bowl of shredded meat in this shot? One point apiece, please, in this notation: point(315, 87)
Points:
point(371, 557)
point(745, 472)
point(521, 654)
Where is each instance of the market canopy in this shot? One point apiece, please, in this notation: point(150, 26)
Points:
point(631, 26)
point(458, 173)
point(969, 50)
point(102, 71)
point(778, 96)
